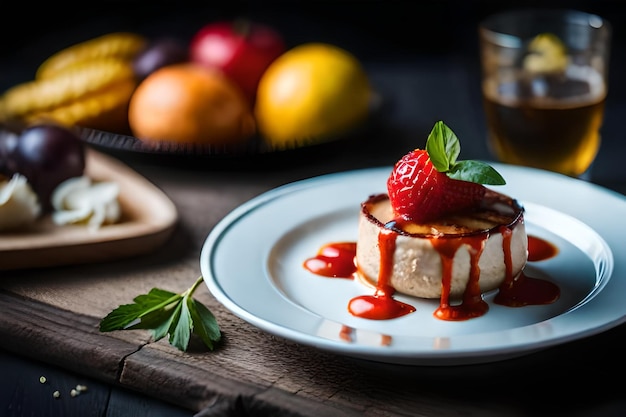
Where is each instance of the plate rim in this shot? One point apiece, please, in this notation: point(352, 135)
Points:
point(434, 357)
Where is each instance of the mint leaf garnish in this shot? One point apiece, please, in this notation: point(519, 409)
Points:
point(166, 313)
point(443, 148)
point(205, 324)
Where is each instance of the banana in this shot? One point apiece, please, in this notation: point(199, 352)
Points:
point(105, 110)
point(122, 45)
point(87, 84)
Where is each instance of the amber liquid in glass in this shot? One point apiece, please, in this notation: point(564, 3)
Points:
point(551, 122)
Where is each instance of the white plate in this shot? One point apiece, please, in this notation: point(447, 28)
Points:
point(252, 262)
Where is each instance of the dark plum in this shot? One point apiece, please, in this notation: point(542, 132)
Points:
point(8, 142)
point(159, 53)
point(47, 155)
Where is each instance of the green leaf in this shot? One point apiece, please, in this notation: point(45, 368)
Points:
point(166, 313)
point(119, 318)
point(180, 332)
point(126, 314)
point(476, 171)
point(204, 323)
point(164, 328)
point(444, 147)
point(168, 325)
point(153, 298)
point(151, 320)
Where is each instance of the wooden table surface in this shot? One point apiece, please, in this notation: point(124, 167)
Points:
point(49, 317)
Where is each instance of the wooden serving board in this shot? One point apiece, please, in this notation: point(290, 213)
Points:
point(148, 220)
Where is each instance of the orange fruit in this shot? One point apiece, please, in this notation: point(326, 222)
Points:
point(187, 103)
point(312, 93)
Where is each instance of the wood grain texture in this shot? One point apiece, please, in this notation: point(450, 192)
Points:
point(62, 337)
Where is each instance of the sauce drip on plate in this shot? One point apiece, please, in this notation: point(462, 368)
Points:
point(337, 260)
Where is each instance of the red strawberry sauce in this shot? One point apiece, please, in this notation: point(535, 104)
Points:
point(337, 260)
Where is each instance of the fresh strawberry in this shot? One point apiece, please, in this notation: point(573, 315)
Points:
point(425, 185)
point(420, 193)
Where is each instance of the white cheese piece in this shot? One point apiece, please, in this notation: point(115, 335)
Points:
point(19, 204)
point(79, 200)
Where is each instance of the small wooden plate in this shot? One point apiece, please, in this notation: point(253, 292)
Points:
point(148, 220)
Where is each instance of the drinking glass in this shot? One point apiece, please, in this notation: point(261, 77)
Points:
point(544, 86)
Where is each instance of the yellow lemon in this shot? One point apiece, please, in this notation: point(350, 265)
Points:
point(312, 93)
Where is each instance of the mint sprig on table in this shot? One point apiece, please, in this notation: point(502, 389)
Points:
point(166, 313)
point(443, 148)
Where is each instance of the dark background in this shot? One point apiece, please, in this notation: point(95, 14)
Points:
point(393, 39)
point(378, 30)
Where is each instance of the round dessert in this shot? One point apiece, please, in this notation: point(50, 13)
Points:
point(440, 233)
point(458, 255)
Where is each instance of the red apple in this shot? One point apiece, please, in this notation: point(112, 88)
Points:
point(241, 49)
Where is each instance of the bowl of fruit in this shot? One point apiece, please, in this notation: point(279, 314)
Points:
point(235, 88)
